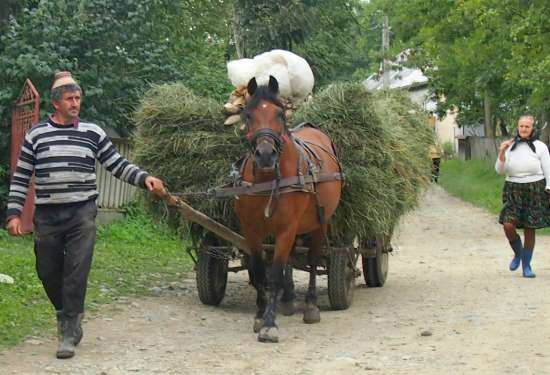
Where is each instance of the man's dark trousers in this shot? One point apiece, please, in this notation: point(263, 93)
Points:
point(64, 244)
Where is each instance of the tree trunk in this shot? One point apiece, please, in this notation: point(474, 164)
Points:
point(488, 117)
point(502, 127)
point(238, 35)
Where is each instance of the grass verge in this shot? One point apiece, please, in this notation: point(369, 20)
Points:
point(477, 182)
point(474, 181)
point(131, 256)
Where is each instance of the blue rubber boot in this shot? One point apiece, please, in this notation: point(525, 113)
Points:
point(526, 263)
point(518, 253)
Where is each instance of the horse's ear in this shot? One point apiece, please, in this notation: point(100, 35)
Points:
point(252, 86)
point(273, 85)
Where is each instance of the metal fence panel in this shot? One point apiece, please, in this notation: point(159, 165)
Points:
point(114, 193)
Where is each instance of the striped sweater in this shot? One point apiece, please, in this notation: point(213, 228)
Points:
point(62, 158)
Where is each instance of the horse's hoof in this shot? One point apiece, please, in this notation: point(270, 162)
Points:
point(268, 334)
point(287, 308)
point(312, 314)
point(258, 324)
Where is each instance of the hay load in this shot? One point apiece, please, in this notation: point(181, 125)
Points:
point(382, 140)
point(180, 138)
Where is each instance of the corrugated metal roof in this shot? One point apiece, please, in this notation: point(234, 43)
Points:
point(400, 78)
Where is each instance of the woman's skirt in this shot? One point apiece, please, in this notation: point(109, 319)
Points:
point(526, 205)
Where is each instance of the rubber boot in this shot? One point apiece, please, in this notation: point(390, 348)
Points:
point(69, 337)
point(526, 263)
point(518, 251)
point(59, 317)
point(79, 332)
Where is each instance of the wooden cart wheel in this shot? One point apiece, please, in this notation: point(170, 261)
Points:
point(341, 280)
point(211, 273)
point(375, 269)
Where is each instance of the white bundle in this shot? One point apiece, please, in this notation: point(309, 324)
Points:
point(291, 71)
point(6, 279)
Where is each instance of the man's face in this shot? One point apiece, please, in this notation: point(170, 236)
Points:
point(68, 107)
point(525, 126)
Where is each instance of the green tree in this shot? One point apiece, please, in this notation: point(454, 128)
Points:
point(327, 33)
point(467, 48)
point(113, 48)
point(264, 25)
point(529, 63)
point(201, 43)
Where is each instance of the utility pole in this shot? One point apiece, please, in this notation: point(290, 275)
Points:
point(385, 48)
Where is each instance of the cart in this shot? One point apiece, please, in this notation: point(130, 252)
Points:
point(227, 251)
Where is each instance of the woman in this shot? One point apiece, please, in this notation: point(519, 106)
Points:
point(526, 162)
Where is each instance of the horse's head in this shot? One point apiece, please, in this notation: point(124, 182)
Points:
point(265, 121)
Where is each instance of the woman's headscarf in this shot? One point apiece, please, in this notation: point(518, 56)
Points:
point(533, 137)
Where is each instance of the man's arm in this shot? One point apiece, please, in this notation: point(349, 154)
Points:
point(122, 169)
point(19, 187)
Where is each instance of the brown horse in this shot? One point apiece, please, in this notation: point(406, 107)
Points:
point(305, 156)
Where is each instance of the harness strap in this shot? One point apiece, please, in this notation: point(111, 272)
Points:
point(288, 182)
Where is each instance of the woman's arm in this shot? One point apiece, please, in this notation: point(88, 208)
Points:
point(501, 159)
point(544, 156)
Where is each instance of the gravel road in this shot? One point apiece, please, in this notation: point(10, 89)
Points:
point(449, 306)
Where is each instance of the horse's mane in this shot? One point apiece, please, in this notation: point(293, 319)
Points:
point(263, 93)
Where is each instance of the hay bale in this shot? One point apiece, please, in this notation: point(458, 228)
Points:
point(382, 140)
point(180, 137)
point(382, 145)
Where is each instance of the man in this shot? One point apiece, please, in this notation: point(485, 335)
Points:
point(61, 153)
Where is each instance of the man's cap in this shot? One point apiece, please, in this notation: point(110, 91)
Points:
point(62, 79)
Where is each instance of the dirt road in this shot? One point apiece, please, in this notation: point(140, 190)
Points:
point(450, 306)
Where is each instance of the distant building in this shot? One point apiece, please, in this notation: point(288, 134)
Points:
point(416, 83)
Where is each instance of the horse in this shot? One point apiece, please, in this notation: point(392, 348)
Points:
point(305, 178)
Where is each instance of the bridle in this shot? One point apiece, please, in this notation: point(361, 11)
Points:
point(277, 140)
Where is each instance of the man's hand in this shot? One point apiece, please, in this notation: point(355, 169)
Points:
point(154, 184)
point(14, 227)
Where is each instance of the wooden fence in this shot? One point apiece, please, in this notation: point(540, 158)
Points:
point(478, 148)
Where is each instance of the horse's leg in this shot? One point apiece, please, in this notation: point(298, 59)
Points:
point(256, 271)
point(287, 307)
point(311, 310)
point(283, 244)
point(257, 274)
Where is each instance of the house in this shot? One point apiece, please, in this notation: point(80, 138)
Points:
point(416, 83)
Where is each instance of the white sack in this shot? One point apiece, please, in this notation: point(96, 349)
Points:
point(291, 71)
